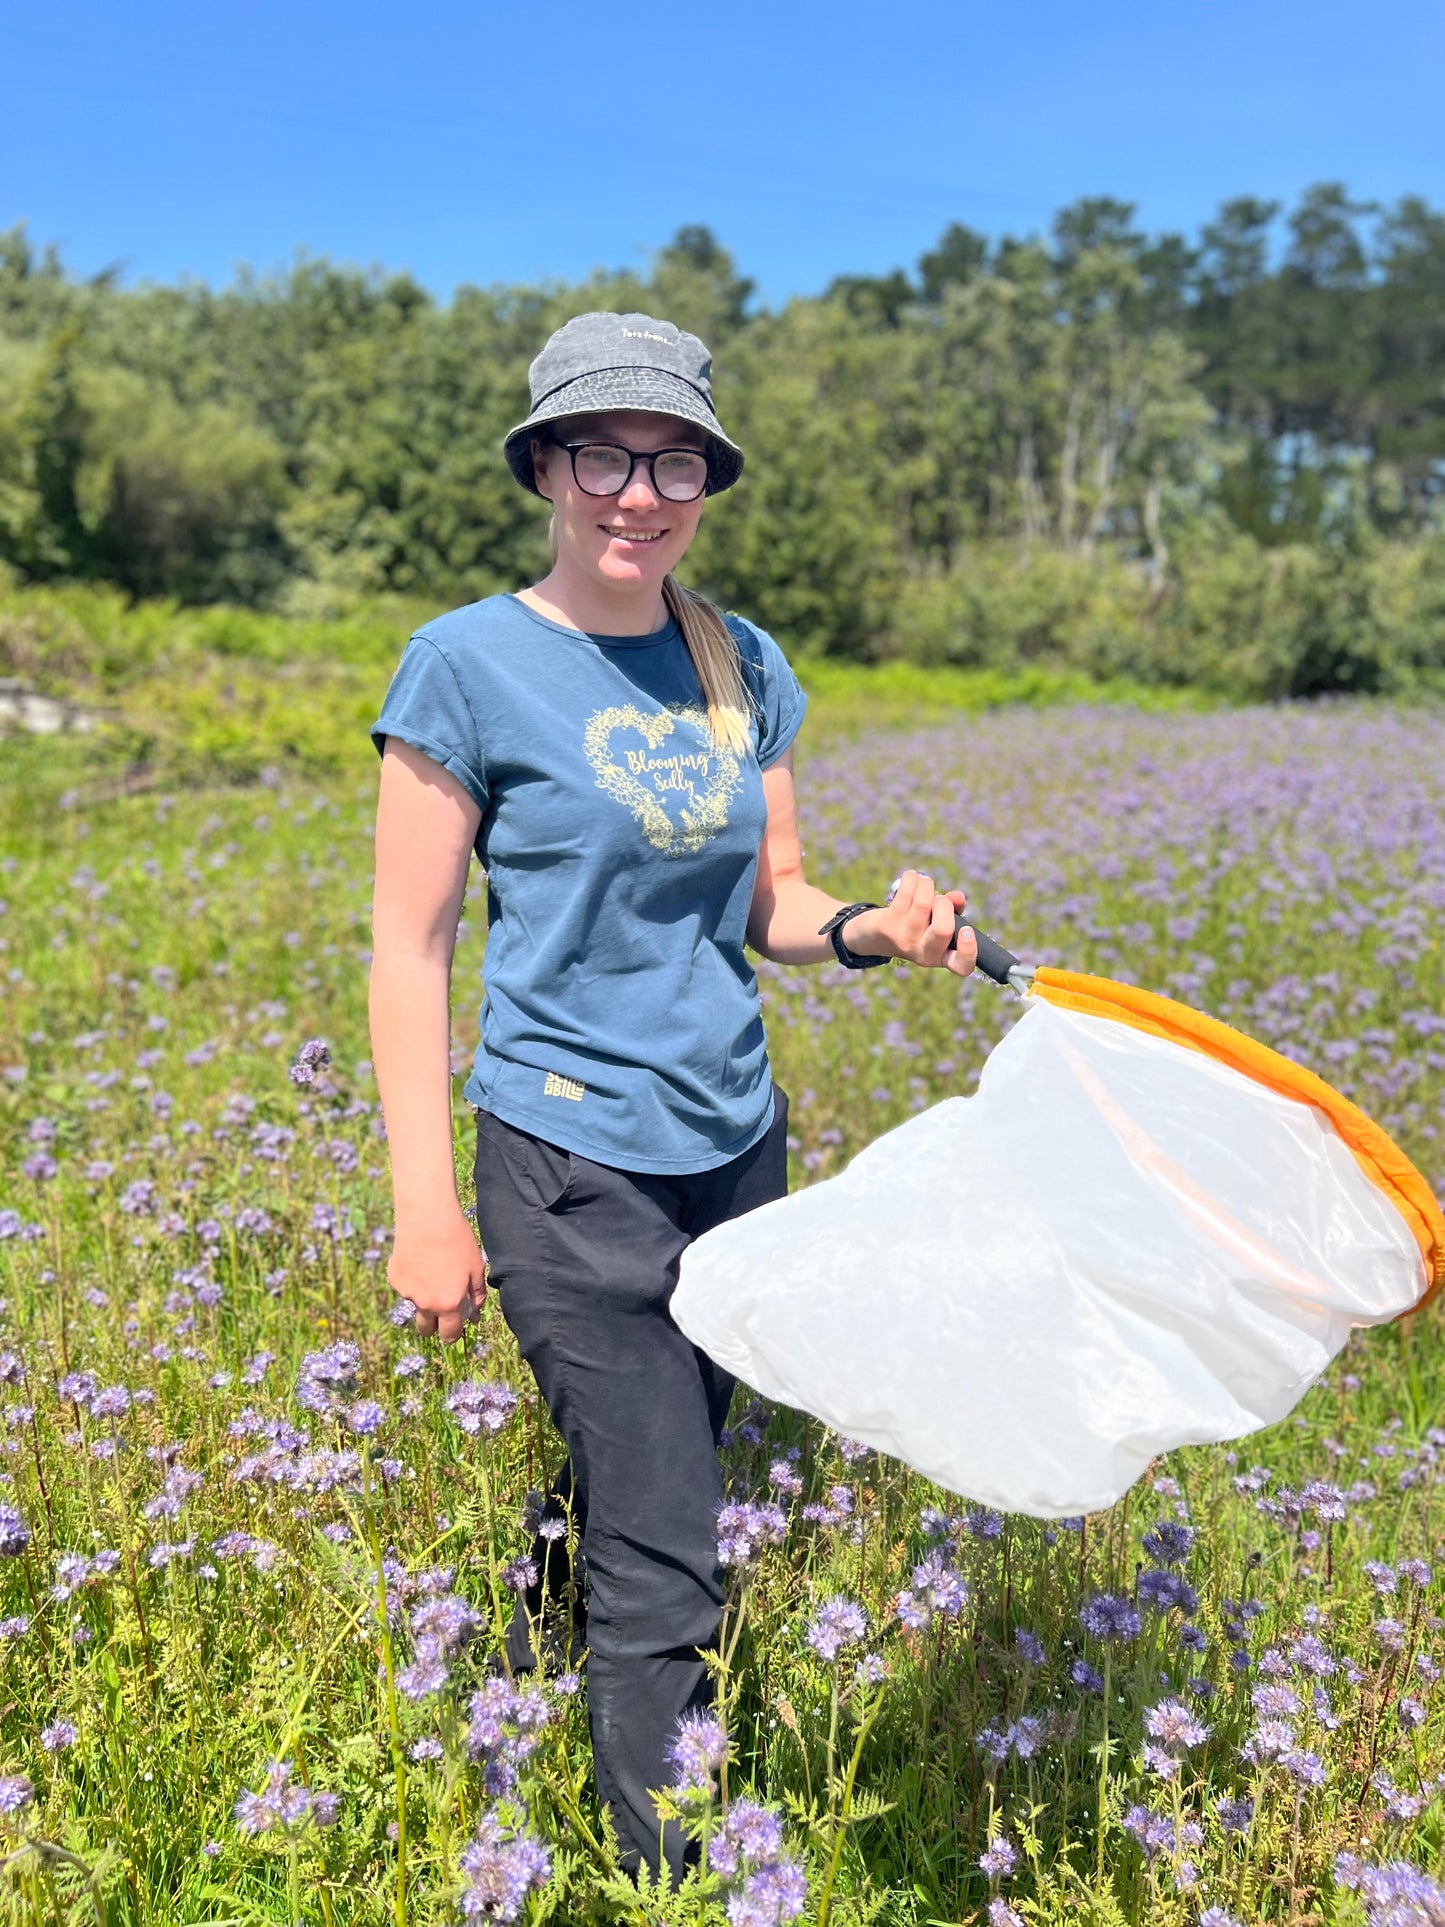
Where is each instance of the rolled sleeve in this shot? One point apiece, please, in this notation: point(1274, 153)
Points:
point(425, 707)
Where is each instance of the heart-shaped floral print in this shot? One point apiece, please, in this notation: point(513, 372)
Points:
point(699, 779)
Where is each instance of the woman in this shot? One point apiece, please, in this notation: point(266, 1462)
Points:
point(619, 757)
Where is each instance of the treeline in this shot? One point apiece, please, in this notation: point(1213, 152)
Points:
point(1217, 460)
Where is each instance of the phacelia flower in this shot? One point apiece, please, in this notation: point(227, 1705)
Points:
point(697, 1750)
point(1109, 1616)
point(838, 1623)
point(14, 1533)
point(16, 1792)
point(478, 1406)
point(999, 1858)
point(500, 1868)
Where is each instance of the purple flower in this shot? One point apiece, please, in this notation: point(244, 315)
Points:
point(1025, 1735)
point(1162, 1591)
point(1269, 1741)
point(281, 1807)
point(313, 1056)
point(1085, 1677)
point(1154, 1831)
point(327, 1376)
point(14, 1533)
point(427, 1674)
point(697, 1749)
point(752, 1832)
point(365, 1418)
point(1326, 1501)
point(520, 1573)
point(1305, 1769)
point(1399, 1806)
point(770, 1895)
point(999, 1858)
point(1169, 1544)
point(16, 1792)
point(1030, 1647)
point(477, 1406)
point(1236, 1815)
point(1397, 1895)
point(837, 1511)
point(783, 1477)
point(500, 1868)
point(744, 1529)
point(1173, 1725)
point(1109, 1616)
point(1310, 1655)
point(767, 1887)
point(937, 1591)
point(838, 1623)
point(1275, 1702)
point(56, 1737)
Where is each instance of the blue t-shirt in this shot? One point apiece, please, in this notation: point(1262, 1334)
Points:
point(620, 1016)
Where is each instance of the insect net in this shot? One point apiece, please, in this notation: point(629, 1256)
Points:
point(1143, 1231)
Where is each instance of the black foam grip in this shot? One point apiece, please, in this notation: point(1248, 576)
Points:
point(993, 960)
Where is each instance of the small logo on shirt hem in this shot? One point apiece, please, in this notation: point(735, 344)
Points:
point(557, 1086)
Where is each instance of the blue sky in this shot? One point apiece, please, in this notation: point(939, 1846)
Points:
point(475, 143)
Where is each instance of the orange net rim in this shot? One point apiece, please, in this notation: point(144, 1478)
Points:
point(1376, 1153)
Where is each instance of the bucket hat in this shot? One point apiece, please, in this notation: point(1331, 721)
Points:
point(598, 361)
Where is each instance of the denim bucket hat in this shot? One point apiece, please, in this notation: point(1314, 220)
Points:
point(598, 362)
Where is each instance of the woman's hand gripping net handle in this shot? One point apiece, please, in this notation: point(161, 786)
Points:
point(993, 960)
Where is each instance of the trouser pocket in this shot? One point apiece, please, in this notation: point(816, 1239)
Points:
point(539, 1172)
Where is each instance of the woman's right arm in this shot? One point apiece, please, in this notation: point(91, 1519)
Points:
point(426, 824)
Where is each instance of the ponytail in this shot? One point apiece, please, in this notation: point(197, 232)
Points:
point(714, 653)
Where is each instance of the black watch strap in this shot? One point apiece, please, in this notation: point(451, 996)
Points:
point(834, 928)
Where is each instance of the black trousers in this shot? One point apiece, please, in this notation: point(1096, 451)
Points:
point(584, 1259)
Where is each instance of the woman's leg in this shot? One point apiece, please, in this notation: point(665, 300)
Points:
point(584, 1269)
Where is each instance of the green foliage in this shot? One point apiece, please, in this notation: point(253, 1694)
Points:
point(1079, 449)
point(1230, 617)
point(165, 955)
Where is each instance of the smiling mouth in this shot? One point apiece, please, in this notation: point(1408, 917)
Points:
point(635, 535)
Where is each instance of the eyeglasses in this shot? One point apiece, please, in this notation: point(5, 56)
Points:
point(601, 468)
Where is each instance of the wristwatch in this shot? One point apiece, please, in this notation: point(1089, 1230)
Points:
point(834, 928)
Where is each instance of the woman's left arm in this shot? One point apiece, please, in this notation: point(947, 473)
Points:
point(787, 911)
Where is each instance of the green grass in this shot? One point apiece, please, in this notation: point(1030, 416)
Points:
point(164, 955)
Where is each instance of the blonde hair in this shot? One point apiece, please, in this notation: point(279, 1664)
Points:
point(714, 652)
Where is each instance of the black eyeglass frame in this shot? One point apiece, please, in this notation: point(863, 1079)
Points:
point(633, 458)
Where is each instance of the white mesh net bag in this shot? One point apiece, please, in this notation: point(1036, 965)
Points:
point(1144, 1231)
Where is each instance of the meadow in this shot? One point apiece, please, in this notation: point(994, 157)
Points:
point(258, 1540)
